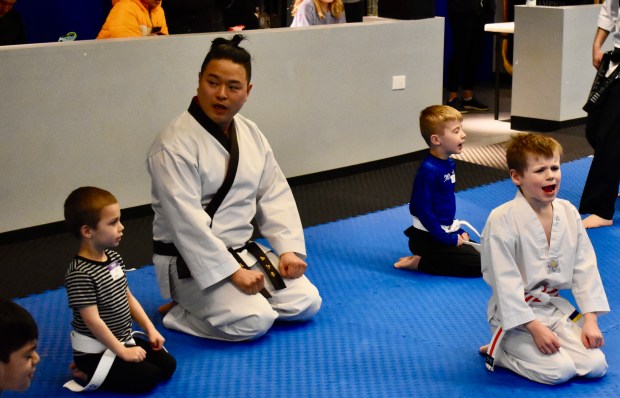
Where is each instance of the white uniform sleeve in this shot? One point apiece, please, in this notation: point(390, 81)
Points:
point(587, 287)
point(176, 191)
point(501, 272)
point(276, 214)
point(608, 17)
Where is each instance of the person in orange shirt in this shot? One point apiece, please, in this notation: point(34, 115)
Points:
point(134, 18)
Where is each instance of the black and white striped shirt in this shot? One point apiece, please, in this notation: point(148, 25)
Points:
point(92, 283)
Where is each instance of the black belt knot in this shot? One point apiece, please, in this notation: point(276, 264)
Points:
point(169, 249)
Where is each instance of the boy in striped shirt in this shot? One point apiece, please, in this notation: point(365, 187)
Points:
point(103, 306)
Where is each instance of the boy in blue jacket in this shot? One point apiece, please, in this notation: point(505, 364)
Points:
point(438, 243)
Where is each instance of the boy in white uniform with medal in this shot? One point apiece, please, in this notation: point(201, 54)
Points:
point(533, 247)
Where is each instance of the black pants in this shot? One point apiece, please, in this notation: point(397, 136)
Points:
point(467, 39)
point(132, 377)
point(440, 259)
point(603, 133)
point(354, 12)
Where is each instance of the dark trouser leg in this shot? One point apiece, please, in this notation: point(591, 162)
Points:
point(439, 259)
point(354, 12)
point(603, 133)
point(467, 39)
point(129, 376)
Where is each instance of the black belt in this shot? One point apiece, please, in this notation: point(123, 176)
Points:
point(601, 82)
point(614, 56)
point(263, 259)
point(169, 249)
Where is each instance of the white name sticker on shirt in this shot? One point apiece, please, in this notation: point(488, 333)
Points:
point(116, 271)
point(553, 266)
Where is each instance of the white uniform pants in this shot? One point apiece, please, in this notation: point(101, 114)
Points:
point(224, 312)
point(519, 353)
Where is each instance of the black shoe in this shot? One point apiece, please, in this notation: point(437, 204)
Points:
point(456, 104)
point(474, 105)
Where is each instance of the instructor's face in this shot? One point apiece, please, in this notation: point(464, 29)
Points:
point(223, 88)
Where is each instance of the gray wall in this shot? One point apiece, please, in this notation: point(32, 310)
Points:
point(85, 113)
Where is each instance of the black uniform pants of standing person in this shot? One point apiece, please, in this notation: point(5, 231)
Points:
point(132, 377)
point(354, 12)
point(440, 259)
point(467, 40)
point(603, 133)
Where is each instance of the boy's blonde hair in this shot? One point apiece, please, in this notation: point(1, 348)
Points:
point(83, 207)
point(534, 144)
point(433, 117)
point(336, 8)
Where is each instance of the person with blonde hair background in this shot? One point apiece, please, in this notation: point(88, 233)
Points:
point(317, 12)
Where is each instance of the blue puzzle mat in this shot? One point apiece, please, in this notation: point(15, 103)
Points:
point(382, 332)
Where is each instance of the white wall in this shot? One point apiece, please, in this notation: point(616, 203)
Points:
point(552, 71)
point(85, 113)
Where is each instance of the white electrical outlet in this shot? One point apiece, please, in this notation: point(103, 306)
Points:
point(399, 82)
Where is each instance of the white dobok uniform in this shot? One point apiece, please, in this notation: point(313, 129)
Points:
point(187, 165)
point(517, 259)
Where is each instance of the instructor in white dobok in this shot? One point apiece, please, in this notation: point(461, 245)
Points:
point(212, 172)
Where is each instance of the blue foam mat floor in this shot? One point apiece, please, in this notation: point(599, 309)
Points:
point(382, 332)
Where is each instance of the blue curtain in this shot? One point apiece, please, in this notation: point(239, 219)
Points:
point(47, 21)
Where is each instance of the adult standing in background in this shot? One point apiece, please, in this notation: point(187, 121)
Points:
point(12, 30)
point(466, 19)
point(193, 16)
point(134, 18)
point(603, 130)
point(354, 10)
point(317, 12)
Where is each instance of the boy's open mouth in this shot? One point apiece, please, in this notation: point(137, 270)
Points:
point(549, 188)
